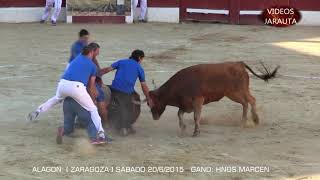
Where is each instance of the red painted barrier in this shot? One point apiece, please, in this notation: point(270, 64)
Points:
point(25, 3)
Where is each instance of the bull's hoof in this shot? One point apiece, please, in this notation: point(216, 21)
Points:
point(256, 119)
point(183, 127)
point(248, 124)
point(182, 133)
point(196, 133)
point(131, 130)
point(123, 132)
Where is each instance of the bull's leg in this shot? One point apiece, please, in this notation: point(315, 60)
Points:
point(181, 123)
point(242, 99)
point(252, 102)
point(197, 107)
point(245, 122)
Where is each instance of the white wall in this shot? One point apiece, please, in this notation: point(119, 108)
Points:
point(311, 18)
point(17, 15)
point(157, 14)
point(171, 15)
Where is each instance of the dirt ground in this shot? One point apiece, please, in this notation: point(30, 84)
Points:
point(33, 56)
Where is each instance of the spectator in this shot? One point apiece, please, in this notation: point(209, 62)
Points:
point(143, 6)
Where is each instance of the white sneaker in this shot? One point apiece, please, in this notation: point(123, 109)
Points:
point(101, 134)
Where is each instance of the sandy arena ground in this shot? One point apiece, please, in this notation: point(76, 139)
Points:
point(33, 57)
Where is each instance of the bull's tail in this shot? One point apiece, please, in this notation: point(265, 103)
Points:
point(265, 73)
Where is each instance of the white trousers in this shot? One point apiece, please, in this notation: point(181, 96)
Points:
point(79, 93)
point(143, 6)
point(57, 8)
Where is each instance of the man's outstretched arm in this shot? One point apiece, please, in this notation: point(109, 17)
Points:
point(104, 71)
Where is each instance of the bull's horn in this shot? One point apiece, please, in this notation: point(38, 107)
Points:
point(139, 102)
point(154, 84)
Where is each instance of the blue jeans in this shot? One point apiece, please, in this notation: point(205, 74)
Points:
point(71, 110)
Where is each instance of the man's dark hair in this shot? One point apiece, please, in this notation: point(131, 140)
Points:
point(136, 55)
point(90, 47)
point(83, 32)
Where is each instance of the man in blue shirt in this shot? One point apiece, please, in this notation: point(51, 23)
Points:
point(80, 75)
point(122, 88)
point(77, 46)
point(76, 49)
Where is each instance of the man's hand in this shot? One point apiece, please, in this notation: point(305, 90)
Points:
point(150, 102)
point(92, 88)
point(145, 90)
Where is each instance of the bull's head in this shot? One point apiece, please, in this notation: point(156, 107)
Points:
point(158, 106)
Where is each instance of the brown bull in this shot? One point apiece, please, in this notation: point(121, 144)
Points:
point(195, 86)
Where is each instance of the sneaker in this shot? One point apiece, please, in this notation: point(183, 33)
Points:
point(33, 115)
point(42, 21)
point(108, 139)
point(136, 21)
point(59, 135)
point(142, 21)
point(98, 141)
point(53, 23)
point(100, 134)
point(101, 140)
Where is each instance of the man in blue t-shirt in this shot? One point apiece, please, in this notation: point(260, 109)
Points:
point(77, 46)
point(122, 88)
point(76, 50)
point(80, 75)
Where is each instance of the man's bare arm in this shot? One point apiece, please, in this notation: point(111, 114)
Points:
point(145, 91)
point(92, 88)
point(104, 71)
